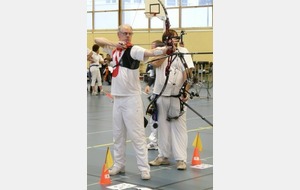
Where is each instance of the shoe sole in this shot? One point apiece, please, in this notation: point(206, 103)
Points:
point(152, 148)
point(145, 177)
point(182, 167)
point(158, 164)
point(120, 172)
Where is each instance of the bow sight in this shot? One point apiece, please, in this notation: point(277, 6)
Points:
point(181, 36)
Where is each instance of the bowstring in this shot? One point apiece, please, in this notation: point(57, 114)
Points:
point(135, 14)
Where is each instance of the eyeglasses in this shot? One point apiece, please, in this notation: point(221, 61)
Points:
point(176, 37)
point(127, 33)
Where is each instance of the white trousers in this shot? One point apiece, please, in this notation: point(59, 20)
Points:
point(128, 118)
point(153, 136)
point(95, 72)
point(172, 135)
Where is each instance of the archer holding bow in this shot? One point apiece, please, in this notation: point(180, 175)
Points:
point(171, 76)
point(128, 116)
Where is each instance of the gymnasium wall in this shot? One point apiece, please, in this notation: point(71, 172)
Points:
point(195, 41)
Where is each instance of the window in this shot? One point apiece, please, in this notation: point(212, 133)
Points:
point(89, 21)
point(173, 18)
point(133, 5)
point(205, 2)
point(202, 15)
point(184, 2)
point(89, 5)
point(171, 3)
point(136, 19)
point(106, 5)
point(105, 20)
point(111, 1)
point(105, 14)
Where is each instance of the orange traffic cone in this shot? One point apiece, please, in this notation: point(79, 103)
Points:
point(105, 177)
point(196, 158)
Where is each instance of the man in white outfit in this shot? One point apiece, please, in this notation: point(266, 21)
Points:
point(96, 63)
point(128, 117)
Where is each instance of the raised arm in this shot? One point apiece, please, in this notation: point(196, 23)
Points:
point(102, 42)
point(89, 55)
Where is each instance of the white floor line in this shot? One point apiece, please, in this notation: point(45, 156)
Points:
point(128, 141)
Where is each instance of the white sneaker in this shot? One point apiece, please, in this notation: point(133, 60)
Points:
point(152, 146)
point(94, 93)
point(115, 170)
point(145, 175)
point(159, 161)
point(181, 165)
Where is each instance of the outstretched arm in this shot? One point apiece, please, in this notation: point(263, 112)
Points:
point(158, 51)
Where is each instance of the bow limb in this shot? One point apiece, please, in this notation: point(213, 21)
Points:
point(167, 21)
point(168, 40)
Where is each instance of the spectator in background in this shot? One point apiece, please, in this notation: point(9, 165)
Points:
point(96, 60)
point(107, 69)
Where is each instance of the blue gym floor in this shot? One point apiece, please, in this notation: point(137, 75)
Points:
point(99, 137)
